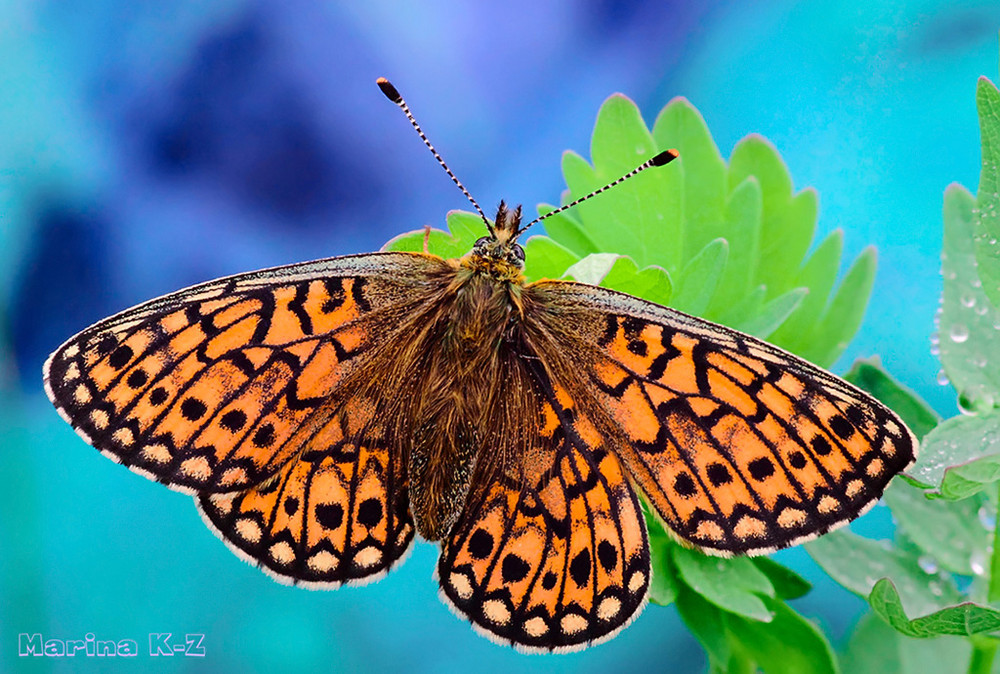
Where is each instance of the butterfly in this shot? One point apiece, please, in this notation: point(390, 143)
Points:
point(324, 413)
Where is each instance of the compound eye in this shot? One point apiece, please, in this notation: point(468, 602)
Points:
point(517, 252)
point(482, 241)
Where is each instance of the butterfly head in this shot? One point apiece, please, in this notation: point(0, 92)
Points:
point(500, 248)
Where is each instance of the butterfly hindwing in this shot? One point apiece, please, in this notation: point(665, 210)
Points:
point(211, 389)
point(336, 514)
point(554, 556)
point(740, 446)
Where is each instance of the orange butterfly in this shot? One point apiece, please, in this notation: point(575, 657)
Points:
point(321, 413)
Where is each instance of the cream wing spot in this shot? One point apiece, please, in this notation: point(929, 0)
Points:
point(156, 454)
point(636, 582)
point(323, 562)
point(608, 608)
point(535, 627)
point(248, 529)
point(282, 553)
point(496, 611)
point(460, 583)
point(368, 556)
point(573, 623)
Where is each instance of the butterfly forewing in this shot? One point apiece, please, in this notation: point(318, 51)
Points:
point(214, 388)
point(740, 446)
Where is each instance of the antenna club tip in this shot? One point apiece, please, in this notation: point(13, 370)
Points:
point(390, 91)
point(665, 157)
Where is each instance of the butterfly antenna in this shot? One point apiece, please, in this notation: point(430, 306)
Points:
point(393, 95)
point(661, 159)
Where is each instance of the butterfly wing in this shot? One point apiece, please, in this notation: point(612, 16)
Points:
point(216, 387)
point(551, 554)
point(336, 514)
point(741, 447)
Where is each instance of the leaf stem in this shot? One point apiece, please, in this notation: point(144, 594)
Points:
point(983, 651)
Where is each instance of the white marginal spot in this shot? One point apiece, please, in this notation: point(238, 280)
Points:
point(72, 372)
point(282, 553)
point(100, 419)
point(156, 454)
point(875, 467)
point(248, 529)
point(368, 556)
point(536, 626)
point(637, 581)
point(71, 351)
point(892, 427)
point(82, 394)
point(608, 608)
point(791, 517)
point(828, 504)
point(460, 583)
point(496, 611)
point(323, 561)
point(123, 436)
point(573, 623)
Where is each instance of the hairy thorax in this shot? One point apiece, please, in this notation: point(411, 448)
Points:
point(459, 407)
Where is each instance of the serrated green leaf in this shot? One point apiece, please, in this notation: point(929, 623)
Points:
point(969, 340)
point(741, 228)
point(464, 229)
point(842, 318)
point(650, 283)
point(818, 275)
point(786, 229)
point(745, 310)
point(593, 268)
point(681, 126)
point(876, 647)
point(643, 218)
point(963, 619)
point(697, 281)
point(545, 258)
point(857, 563)
point(567, 231)
point(957, 443)
point(869, 375)
point(774, 313)
point(948, 532)
point(787, 584)
point(735, 584)
point(788, 644)
point(987, 225)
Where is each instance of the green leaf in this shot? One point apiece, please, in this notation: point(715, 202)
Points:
point(681, 126)
point(735, 584)
point(818, 275)
point(741, 228)
point(663, 585)
point(987, 225)
point(950, 532)
point(567, 231)
point(697, 281)
point(620, 273)
point(965, 619)
point(545, 258)
point(869, 375)
point(465, 228)
point(643, 217)
point(857, 563)
point(966, 449)
point(969, 339)
point(876, 647)
point(706, 623)
point(787, 584)
point(774, 313)
point(790, 643)
point(842, 318)
point(788, 221)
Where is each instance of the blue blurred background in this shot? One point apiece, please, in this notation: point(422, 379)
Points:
point(145, 146)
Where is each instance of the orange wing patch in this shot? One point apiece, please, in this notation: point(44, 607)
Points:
point(741, 447)
point(557, 558)
point(207, 392)
point(336, 514)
